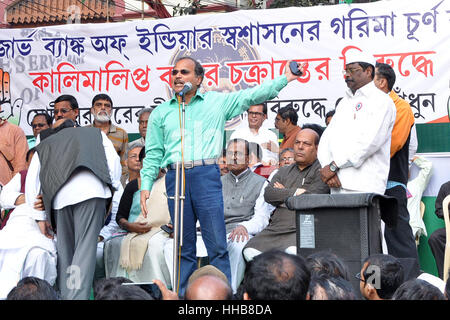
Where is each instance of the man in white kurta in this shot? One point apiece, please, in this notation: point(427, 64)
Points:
point(354, 150)
point(79, 207)
point(255, 132)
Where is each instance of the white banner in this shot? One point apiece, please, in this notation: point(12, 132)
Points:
point(132, 61)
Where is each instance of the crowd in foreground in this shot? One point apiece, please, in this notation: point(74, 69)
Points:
point(273, 275)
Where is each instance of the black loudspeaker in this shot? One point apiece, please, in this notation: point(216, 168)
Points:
point(347, 224)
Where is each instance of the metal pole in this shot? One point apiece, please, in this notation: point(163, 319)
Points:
point(142, 1)
point(107, 10)
point(178, 206)
point(176, 198)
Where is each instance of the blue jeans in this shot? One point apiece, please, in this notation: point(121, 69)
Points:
point(203, 202)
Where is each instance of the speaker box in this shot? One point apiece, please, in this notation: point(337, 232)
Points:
point(347, 224)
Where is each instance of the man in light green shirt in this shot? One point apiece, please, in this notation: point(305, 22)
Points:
point(205, 117)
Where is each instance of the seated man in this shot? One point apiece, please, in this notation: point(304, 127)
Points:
point(437, 239)
point(245, 211)
point(294, 180)
point(24, 250)
point(255, 132)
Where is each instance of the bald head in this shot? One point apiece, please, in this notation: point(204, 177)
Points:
point(208, 287)
point(305, 147)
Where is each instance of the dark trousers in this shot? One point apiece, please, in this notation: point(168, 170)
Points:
point(437, 246)
point(400, 239)
point(203, 202)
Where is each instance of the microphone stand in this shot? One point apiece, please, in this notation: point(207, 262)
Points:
point(179, 203)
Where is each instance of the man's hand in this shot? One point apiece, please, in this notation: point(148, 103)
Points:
point(145, 194)
point(326, 174)
point(278, 185)
point(334, 182)
point(239, 233)
point(139, 227)
point(289, 75)
point(39, 203)
point(166, 293)
point(45, 228)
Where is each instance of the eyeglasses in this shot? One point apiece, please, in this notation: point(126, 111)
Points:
point(182, 71)
point(287, 159)
point(252, 113)
point(350, 70)
point(38, 125)
point(358, 276)
point(62, 110)
point(237, 154)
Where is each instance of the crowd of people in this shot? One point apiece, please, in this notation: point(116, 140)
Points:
point(88, 214)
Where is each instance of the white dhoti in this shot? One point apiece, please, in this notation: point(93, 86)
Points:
point(24, 252)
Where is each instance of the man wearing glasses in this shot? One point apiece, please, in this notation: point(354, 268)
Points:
point(267, 139)
point(205, 116)
point(66, 107)
point(41, 121)
point(354, 150)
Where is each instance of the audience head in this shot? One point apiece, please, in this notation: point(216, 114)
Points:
point(208, 287)
point(326, 287)
point(417, 289)
point(32, 288)
point(380, 276)
point(326, 262)
point(101, 108)
point(276, 275)
point(318, 129)
point(223, 163)
point(286, 118)
point(143, 116)
point(237, 155)
point(256, 115)
point(113, 289)
point(66, 106)
point(305, 147)
point(41, 121)
point(384, 77)
point(133, 161)
point(286, 157)
point(329, 116)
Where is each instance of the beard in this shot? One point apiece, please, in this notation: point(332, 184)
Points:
point(102, 117)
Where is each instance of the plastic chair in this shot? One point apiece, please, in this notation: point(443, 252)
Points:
point(446, 269)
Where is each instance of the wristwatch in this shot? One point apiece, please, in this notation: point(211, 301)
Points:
point(333, 167)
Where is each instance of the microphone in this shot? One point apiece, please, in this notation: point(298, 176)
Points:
point(186, 88)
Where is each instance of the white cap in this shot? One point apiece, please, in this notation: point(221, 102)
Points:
point(359, 56)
